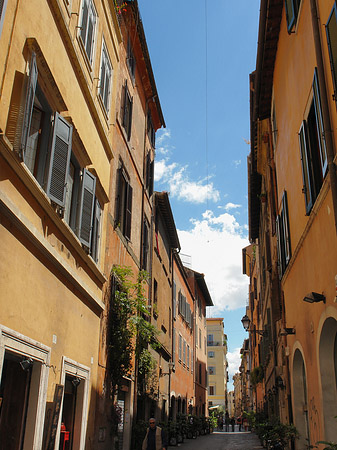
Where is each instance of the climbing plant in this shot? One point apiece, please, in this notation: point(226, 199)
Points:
point(128, 330)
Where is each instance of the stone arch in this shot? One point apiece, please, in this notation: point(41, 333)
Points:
point(328, 373)
point(300, 400)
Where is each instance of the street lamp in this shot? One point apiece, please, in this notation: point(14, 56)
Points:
point(246, 325)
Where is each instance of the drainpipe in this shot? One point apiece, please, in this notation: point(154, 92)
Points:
point(325, 106)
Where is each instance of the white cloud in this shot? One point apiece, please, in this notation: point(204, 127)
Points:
point(215, 245)
point(237, 162)
point(234, 361)
point(181, 187)
point(230, 206)
point(162, 146)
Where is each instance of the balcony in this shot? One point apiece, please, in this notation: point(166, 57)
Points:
point(215, 343)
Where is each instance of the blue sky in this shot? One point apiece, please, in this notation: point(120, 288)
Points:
point(202, 52)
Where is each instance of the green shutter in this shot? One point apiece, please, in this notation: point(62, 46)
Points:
point(86, 207)
point(128, 212)
point(30, 95)
point(320, 125)
point(59, 160)
point(307, 190)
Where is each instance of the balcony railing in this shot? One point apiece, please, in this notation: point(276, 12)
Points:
point(214, 344)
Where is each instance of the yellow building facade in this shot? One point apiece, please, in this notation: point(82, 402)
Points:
point(293, 164)
point(58, 65)
point(216, 362)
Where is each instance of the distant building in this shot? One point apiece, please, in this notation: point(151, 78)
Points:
point(230, 407)
point(216, 362)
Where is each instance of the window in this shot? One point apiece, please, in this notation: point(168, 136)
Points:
point(292, 9)
point(200, 374)
point(151, 131)
point(130, 61)
point(200, 338)
point(145, 251)
point(212, 390)
point(283, 237)
point(3, 4)
point(274, 123)
point(313, 149)
point(184, 351)
point(188, 356)
point(149, 174)
point(88, 27)
point(211, 354)
point(124, 203)
point(126, 110)
point(180, 345)
point(46, 149)
point(331, 32)
point(155, 291)
point(174, 293)
point(210, 338)
point(211, 370)
point(105, 78)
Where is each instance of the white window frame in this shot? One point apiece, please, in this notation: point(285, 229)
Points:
point(14, 342)
point(91, 13)
point(105, 60)
point(71, 367)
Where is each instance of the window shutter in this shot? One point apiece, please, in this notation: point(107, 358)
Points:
point(320, 125)
point(147, 171)
point(151, 179)
point(303, 137)
point(118, 197)
point(86, 207)
point(128, 212)
point(145, 244)
point(30, 95)
point(130, 119)
point(174, 346)
point(59, 160)
point(285, 226)
point(174, 306)
point(331, 32)
point(123, 102)
point(279, 247)
point(290, 14)
point(85, 14)
point(96, 231)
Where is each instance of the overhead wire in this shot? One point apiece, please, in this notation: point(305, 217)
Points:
point(206, 102)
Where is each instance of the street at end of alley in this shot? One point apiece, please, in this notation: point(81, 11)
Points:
point(220, 440)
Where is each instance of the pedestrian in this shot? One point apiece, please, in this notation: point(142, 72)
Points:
point(239, 422)
point(245, 424)
point(220, 423)
point(155, 438)
point(227, 420)
point(232, 423)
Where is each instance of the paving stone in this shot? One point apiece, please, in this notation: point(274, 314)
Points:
point(220, 440)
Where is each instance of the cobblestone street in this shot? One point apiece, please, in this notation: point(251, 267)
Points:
point(220, 440)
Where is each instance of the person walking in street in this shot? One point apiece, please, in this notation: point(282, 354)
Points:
point(155, 438)
point(220, 423)
point(227, 420)
point(233, 423)
point(239, 422)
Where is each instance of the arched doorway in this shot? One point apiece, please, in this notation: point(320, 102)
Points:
point(300, 404)
point(328, 368)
